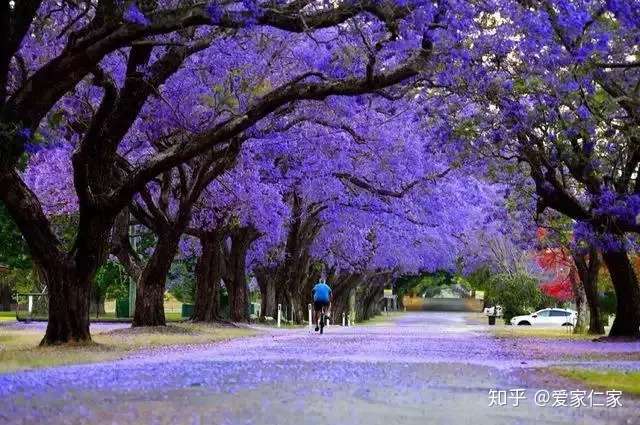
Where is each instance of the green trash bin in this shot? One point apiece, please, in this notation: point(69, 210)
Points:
point(122, 308)
point(187, 310)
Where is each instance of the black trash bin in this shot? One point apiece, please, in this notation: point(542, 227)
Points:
point(492, 320)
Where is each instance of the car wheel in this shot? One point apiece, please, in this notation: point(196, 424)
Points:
point(524, 323)
point(567, 324)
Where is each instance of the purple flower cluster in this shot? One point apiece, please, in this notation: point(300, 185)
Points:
point(624, 208)
point(585, 235)
point(135, 16)
point(215, 11)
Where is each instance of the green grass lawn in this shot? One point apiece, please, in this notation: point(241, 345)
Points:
point(7, 316)
point(533, 332)
point(104, 317)
point(171, 317)
point(380, 319)
point(627, 382)
point(19, 348)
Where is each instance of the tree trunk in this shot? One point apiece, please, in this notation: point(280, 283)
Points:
point(369, 294)
point(266, 278)
point(625, 283)
point(96, 308)
point(580, 298)
point(588, 269)
point(68, 305)
point(209, 272)
point(236, 279)
point(67, 277)
point(341, 287)
point(5, 296)
point(596, 326)
point(151, 285)
point(238, 299)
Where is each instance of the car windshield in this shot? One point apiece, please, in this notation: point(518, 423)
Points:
point(542, 313)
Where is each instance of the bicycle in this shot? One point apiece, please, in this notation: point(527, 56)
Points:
point(322, 320)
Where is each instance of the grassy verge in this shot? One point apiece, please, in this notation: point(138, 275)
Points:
point(533, 332)
point(627, 382)
point(19, 348)
point(6, 316)
point(381, 318)
point(105, 317)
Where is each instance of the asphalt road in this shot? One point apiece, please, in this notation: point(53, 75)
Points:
point(419, 368)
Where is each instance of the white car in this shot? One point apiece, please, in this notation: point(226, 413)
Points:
point(547, 317)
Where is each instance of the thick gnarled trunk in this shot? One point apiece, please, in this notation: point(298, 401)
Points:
point(588, 268)
point(68, 305)
point(238, 298)
point(266, 277)
point(151, 285)
point(625, 283)
point(209, 273)
point(236, 277)
point(67, 277)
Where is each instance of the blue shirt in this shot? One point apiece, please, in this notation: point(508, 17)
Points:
point(321, 292)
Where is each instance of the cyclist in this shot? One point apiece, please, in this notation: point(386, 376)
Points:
point(321, 299)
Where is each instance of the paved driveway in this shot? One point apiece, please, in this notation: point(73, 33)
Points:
point(420, 368)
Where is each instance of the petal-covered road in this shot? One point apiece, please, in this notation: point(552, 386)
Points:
point(420, 368)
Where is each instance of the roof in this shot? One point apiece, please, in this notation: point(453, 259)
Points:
point(4, 268)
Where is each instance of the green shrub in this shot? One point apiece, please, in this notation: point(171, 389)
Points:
point(516, 293)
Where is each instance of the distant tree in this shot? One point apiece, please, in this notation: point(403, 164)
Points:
point(516, 293)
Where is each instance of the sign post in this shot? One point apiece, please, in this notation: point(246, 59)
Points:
point(279, 314)
point(133, 289)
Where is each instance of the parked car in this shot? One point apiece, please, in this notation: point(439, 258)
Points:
point(493, 311)
point(547, 317)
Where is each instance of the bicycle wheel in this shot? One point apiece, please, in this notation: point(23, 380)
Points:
point(321, 323)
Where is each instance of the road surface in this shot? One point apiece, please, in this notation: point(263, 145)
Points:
point(419, 368)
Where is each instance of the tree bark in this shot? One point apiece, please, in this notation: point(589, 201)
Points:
point(580, 298)
point(236, 279)
point(625, 283)
point(5, 297)
point(67, 276)
point(68, 305)
point(588, 268)
point(341, 287)
point(266, 277)
point(151, 285)
point(298, 275)
point(209, 273)
point(96, 307)
point(369, 294)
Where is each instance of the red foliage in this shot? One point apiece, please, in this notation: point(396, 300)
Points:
point(541, 233)
point(559, 288)
point(560, 262)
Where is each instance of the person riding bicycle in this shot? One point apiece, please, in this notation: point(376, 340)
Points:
point(321, 299)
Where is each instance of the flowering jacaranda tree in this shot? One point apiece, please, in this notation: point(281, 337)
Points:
point(120, 56)
point(550, 91)
point(142, 107)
